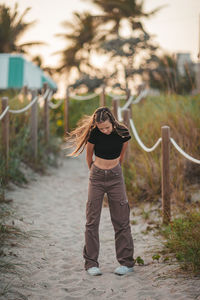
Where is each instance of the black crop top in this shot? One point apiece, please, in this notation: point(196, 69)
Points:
point(107, 146)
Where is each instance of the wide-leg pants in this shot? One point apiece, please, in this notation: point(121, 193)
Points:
point(109, 181)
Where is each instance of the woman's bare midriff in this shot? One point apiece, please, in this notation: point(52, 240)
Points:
point(106, 163)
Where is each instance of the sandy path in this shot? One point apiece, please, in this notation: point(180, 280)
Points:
point(53, 207)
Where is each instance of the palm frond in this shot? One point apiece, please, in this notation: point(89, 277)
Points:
point(12, 27)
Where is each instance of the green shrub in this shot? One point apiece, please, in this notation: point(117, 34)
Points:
point(183, 239)
point(19, 143)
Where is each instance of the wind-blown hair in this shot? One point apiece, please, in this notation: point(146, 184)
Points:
point(79, 136)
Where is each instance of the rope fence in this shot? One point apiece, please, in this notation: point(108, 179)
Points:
point(165, 142)
point(46, 92)
point(102, 101)
point(117, 97)
point(121, 113)
point(55, 105)
point(139, 140)
point(194, 160)
point(19, 111)
point(33, 107)
point(4, 113)
point(82, 98)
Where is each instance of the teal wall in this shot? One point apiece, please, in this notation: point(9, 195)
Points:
point(15, 72)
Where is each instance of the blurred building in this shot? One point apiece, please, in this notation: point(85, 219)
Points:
point(183, 59)
point(17, 72)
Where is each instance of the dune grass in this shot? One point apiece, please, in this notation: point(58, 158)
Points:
point(183, 240)
point(143, 174)
point(19, 142)
point(181, 114)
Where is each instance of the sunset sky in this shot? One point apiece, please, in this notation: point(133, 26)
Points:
point(176, 26)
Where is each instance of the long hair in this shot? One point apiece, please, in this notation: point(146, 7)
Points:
point(79, 136)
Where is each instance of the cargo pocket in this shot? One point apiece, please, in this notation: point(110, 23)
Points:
point(124, 210)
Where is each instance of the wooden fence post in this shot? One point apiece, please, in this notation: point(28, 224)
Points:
point(198, 77)
point(128, 94)
point(103, 96)
point(66, 112)
point(5, 134)
point(25, 90)
point(46, 114)
point(166, 207)
point(115, 103)
point(198, 66)
point(127, 123)
point(34, 127)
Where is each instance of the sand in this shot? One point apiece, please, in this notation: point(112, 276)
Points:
point(51, 209)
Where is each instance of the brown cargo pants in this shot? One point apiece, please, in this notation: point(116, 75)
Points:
point(109, 181)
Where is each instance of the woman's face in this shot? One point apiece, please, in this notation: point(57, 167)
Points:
point(105, 127)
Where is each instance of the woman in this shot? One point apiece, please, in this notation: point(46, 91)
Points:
point(104, 136)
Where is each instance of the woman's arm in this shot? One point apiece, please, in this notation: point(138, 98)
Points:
point(125, 145)
point(89, 154)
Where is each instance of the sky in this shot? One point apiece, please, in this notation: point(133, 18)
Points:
point(176, 27)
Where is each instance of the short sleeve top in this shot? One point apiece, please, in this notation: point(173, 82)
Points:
point(107, 146)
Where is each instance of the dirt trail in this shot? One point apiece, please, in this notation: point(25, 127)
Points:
point(51, 263)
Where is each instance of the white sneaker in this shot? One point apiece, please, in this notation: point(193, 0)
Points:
point(122, 270)
point(94, 271)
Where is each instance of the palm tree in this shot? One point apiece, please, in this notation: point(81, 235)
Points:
point(82, 37)
point(38, 60)
point(117, 10)
point(90, 33)
point(122, 51)
point(12, 27)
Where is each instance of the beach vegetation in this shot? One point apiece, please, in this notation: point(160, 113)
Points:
point(183, 240)
point(12, 27)
point(20, 154)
